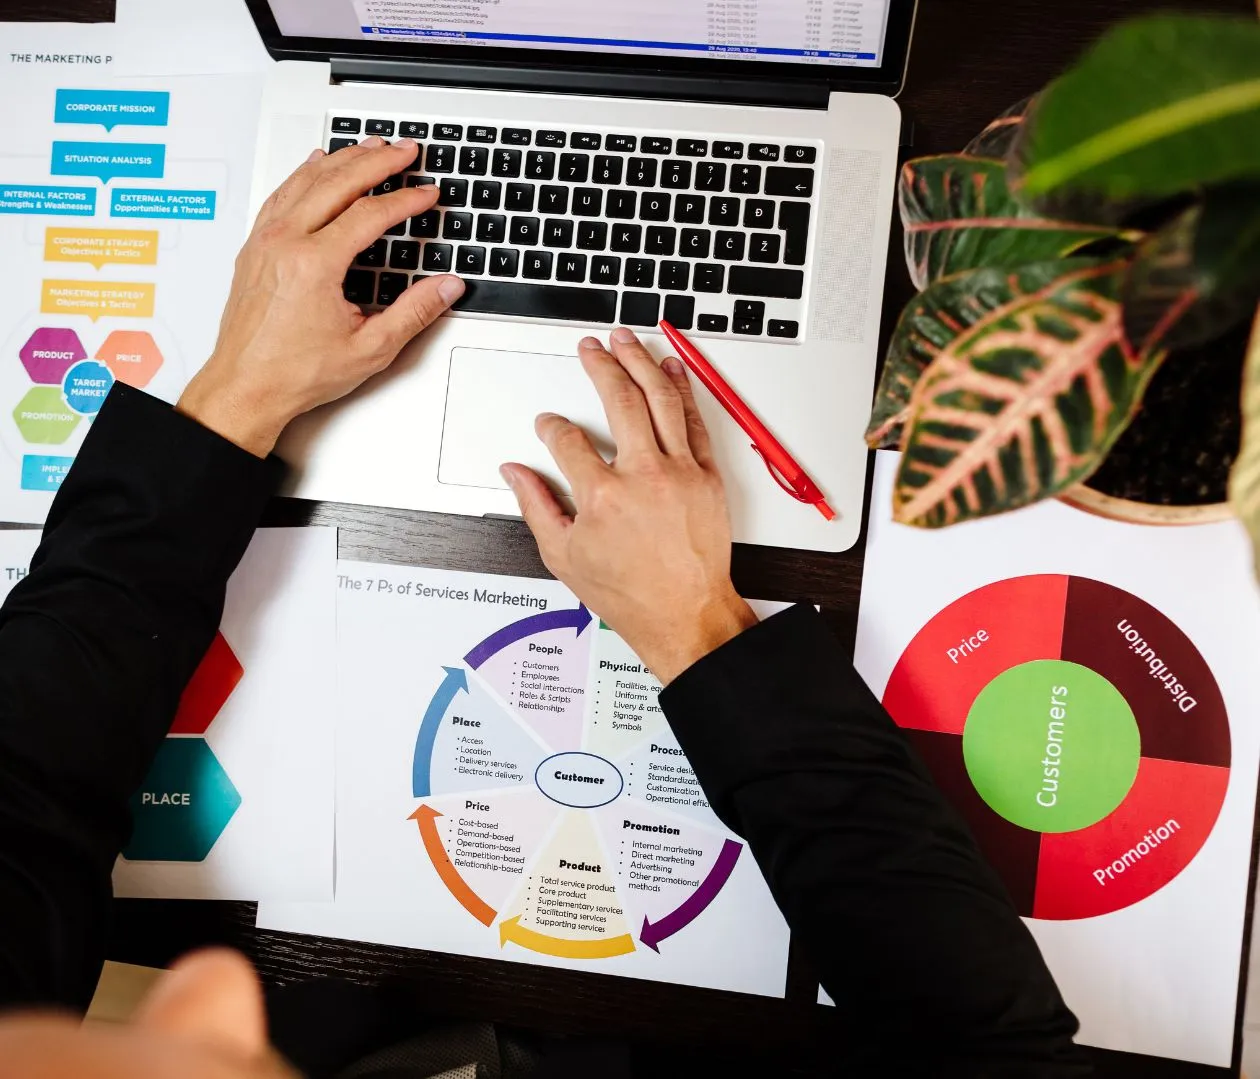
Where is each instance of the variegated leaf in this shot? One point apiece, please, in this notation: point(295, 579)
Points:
point(959, 215)
point(1024, 404)
point(1244, 480)
point(996, 140)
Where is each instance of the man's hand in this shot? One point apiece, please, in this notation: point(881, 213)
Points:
point(650, 548)
point(289, 340)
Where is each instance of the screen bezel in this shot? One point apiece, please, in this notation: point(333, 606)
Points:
point(884, 79)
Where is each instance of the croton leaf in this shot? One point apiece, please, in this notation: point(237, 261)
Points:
point(1199, 275)
point(996, 140)
point(1024, 404)
point(959, 215)
point(1244, 480)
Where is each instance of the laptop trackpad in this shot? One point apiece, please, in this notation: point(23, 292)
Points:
point(492, 398)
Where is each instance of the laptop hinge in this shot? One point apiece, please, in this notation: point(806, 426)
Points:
point(603, 82)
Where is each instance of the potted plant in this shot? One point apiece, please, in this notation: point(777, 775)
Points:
point(1092, 246)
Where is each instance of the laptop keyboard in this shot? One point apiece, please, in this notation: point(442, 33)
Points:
point(599, 227)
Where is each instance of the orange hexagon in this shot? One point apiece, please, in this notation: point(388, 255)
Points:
point(132, 357)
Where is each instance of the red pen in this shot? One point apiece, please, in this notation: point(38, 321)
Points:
point(782, 465)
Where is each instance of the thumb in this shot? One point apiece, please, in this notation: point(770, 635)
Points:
point(417, 308)
point(544, 515)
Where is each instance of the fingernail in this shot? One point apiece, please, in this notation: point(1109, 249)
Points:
point(508, 476)
point(623, 336)
point(373, 141)
point(450, 289)
point(672, 365)
point(406, 143)
point(315, 155)
point(589, 342)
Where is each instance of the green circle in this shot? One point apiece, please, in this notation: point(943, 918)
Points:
point(1051, 746)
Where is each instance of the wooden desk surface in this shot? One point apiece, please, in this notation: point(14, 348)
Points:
point(971, 58)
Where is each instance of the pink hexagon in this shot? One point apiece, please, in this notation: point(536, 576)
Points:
point(50, 353)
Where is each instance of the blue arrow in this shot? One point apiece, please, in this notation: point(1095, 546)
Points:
point(578, 618)
point(455, 680)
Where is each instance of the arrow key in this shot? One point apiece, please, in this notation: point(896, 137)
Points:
point(797, 183)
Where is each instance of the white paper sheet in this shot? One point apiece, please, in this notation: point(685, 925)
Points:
point(210, 37)
point(478, 731)
point(1158, 974)
point(78, 50)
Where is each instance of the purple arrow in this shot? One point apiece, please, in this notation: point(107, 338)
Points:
point(577, 618)
point(694, 905)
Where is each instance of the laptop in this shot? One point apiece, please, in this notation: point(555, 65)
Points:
point(727, 165)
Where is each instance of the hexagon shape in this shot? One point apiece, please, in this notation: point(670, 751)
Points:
point(132, 356)
point(209, 688)
point(86, 386)
point(49, 353)
point(42, 416)
point(182, 806)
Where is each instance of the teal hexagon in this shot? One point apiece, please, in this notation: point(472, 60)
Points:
point(43, 416)
point(182, 807)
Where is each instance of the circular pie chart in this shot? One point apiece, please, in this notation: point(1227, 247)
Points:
point(1076, 729)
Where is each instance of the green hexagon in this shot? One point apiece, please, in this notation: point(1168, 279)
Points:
point(44, 417)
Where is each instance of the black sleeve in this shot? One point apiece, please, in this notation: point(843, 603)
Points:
point(96, 644)
point(912, 932)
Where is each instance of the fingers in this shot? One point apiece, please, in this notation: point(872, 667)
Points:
point(697, 432)
point(572, 451)
point(368, 217)
point(663, 403)
point(544, 515)
point(417, 308)
point(629, 421)
point(336, 182)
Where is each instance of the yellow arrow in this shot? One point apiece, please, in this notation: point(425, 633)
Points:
point(511, 929)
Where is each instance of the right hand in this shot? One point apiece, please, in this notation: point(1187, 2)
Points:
point(650, 548)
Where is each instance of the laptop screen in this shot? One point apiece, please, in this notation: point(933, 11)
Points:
point(833, 33)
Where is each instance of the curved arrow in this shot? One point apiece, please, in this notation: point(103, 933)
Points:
point(576, 617)
point(602, 948)
point(426, 817)
point(694, 905)
point(455, 681)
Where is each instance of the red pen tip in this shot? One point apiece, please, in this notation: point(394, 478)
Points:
point(825, 510)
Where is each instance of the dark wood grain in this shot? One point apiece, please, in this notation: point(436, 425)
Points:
point(970, 59)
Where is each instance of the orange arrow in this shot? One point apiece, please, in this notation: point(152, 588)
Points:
point(426, 818)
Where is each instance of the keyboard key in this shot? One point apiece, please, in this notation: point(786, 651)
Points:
point(750, 309)
point(625, 143)
point(585, 140)
point(506, 163)
point(504, 262)
point(440, 158)
point(762, 151)
point(607, 170)
point(425, 226)
point(710, 176)
point(397, 230)
point(340, 144)
point(692, 148)
point(729, 246)
point(689, 209)
point(420, 181)
point(575, 168)
point(605, 270)
point(746, 179)
point(359, 286)
point(374, 255)
point(732, 150)
point(723, 211)
point(490, 297)
point(404, 255)
point(797, 183)
point(491, 228)
point(762, 281)
point(524, 231)
point(347, 125)
point(571, 267)
point(794, 223)
point(676, 174)
point(758, 214)
point(652, 145)
point(553, 199)
point(708, 278)
point(621, 204)
point(540, 165)
point(587, 201)
point(660, 240)
point(384, 128)
point(457, 226)
point(483, 134)
point(392, 183)
point(627, 239)
point(474, 160)
point(782, 328)
point(713, 323)
point(487, 194)
point(674, 276)
point(654, 207)
point(592, 235)
point(748, 326)
point(454, 192)
point(800, 155)
point(557, 232)
point(537, 265)
point(520, 197)
point(549, 138)
point(471, 260)
point(437, 258)
point(390, 286)
point(695, 243)
point(517, 136)
point(640, 273)
point(680, 311)
point(763, 247)
point(641, 172)
point(448, 132)
point(640, 308)
point(413, 129)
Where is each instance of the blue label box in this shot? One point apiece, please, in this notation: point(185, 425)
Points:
point(44, 473)
point(113, 108)
point(106, 160)
point(151, 203)
point(54, 201)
